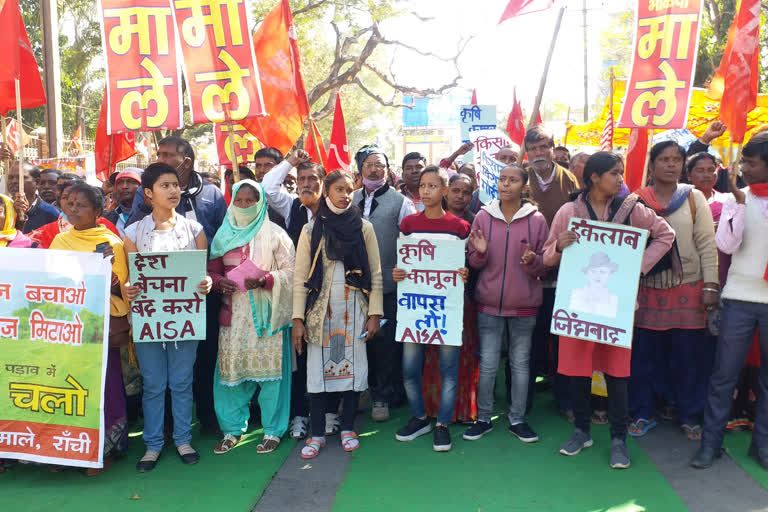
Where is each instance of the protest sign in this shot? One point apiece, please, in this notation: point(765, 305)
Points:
point(169, 308)
point(54, 324)
point(473, 118)
point(219, 61)
point(430, 301)
point(143, 72)
point(488, 177)
point(491, 141)
point(597, 283)
point(84, 166)
point(245, 144)
point(663, 64)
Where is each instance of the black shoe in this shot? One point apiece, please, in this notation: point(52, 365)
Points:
point(755, 454)
point(478, 430)
point(190, 456)
point(442, 439)
point(416, 427)
point(144, 466)
point(705, 457)
point(524, 432)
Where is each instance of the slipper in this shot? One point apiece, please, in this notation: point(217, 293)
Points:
point(600, 417)
point(692, 432)
point(349, 441)
point(269, 444)
point(640, 427)
point(312, 449)
point(226, 444)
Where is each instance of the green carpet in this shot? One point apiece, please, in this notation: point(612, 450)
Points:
point(737, 445)
point(232, 482)
point(498, 472)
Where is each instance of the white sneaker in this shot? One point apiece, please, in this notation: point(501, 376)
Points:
point(299, 427)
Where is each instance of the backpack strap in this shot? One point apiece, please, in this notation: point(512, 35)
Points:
point(692, 204)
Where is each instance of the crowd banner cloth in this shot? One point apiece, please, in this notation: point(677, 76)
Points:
point(663, 64)
point(169, 308)
point(430, 301)
point(54, 328)
point(597, 283)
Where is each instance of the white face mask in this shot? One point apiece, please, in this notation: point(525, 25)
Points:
point(335, 209)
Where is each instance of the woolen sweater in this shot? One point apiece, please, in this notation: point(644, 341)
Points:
point(557, 194)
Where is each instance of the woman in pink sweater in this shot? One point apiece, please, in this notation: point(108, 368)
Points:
point(505, 245)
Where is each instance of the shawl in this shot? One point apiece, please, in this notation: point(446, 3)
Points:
point(648, 195)
point(343, 235)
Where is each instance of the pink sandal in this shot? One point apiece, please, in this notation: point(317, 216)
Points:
point(312, 449)
point(349, 441)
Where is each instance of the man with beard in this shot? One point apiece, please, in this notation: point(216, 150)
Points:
point(203, 202)
point(385, 209)
point(33, 211)
point(550, 187)
point(127, 183)
point(47, 189)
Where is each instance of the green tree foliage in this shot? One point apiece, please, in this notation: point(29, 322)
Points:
point(93, 324)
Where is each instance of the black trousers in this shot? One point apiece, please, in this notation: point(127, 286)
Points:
point(319, 404)
point(205, 366)
point(618, 415)
point(299, 402)
point(385, 356)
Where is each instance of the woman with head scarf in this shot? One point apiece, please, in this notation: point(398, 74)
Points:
point(251, 265)
point(337, 306)
point(9, 235)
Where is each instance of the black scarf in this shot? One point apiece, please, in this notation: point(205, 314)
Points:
point(343, 241)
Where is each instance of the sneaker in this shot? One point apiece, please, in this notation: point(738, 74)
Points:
point(524, 432)
point(578, 440)
point(416, 427)
point(619, 454)
point(380, 411)
point(478, 430)
point(442, 439)
point(299, 426)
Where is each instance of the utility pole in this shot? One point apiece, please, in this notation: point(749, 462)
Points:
point(52, 69)
point(586, 86)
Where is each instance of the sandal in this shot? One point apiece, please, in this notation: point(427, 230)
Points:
point(312, 448)
point(349, 441)
point(692, 432)
point(268, 444)
point(640, 427)
point(331, 423)
point(226, 444)
point(600, 417)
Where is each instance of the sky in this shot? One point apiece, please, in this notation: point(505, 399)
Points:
point(507, 55)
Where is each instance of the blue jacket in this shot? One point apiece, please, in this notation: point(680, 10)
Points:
point(39, 215)
point(205, 198)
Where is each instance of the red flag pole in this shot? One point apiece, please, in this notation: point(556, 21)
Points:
point(19, 138)
point(314, 141)
point(235, 164)
point(6, 166)
point(543, 81)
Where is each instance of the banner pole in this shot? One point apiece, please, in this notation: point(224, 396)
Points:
point(543, 81)
point(6, 165)
point(235, 164)
point(314, 141)
point(647, 158)
point(19, 139)
point(729, 160)
point(736, 162)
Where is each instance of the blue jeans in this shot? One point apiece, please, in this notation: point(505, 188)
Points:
point(738, 321)
point(491, 329)
point(413, 366)
point(167, 367)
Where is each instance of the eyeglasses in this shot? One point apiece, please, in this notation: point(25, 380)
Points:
point(377, 166)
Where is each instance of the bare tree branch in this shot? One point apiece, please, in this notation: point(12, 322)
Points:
point(379, 99)
point(309, 7)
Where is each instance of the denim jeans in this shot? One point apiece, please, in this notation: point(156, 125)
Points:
point(167, 367)
point(519, 332)
point(413, 366)
point(738, 321)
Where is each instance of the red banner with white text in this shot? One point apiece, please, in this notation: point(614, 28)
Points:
point(245, 143)
point(143, 72)
point(219, 61)
point(663, 64)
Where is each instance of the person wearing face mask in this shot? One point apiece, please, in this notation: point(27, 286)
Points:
point(255, 319)
point(385, 208)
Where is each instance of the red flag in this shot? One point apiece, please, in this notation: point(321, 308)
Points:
point(606, 138)
point(285, 97)
point(110, 149)
point(77, 139)
point(520, 7)
point(636, 153)
point(338, 150)
point(18, 62)
point(538, 118)
point(11, 134)
point(735, 83)
point(474, 97)
point(315, 146)
point(516, 122)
